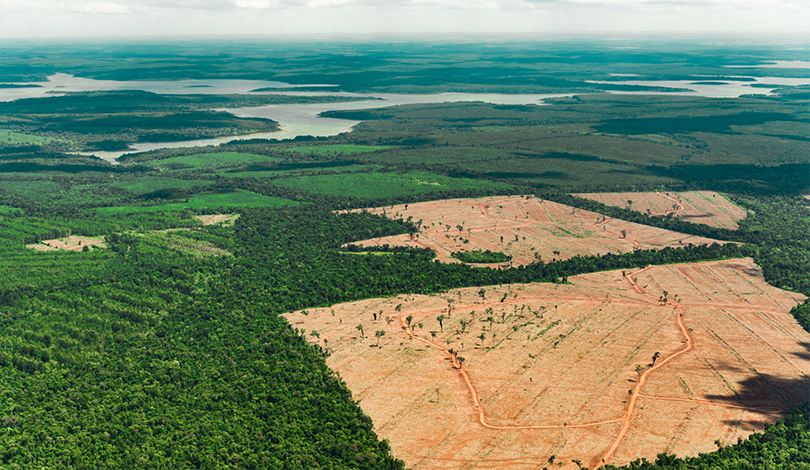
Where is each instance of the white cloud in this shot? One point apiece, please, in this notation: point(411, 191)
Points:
point(99, 7)
point(330, 3)
point(44, 18)
point(255, 4)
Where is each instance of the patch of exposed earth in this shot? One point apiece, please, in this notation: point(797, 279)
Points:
point(214, 219)
point(703, 207)
point(614, 365)
point(72, 243)
point(523, 227)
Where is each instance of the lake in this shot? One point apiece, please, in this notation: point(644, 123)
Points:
point(776, 64)
point(722, 89)
point(65, 83)
point(302, 119)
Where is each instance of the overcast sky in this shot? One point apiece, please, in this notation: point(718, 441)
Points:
point(55, 18)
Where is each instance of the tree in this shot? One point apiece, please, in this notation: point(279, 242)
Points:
point(624, 233)
point(409, 319)
point(440, 319)
point(491, 320)
point(482, 293)
point(379, 334)
point(656, 356)
point(360, 329)
point(481, 337)
point(639, 370)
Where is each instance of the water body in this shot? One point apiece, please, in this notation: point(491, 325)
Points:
point(777, 64)
point(65, 83)
point(299, 120)
point(729, 89)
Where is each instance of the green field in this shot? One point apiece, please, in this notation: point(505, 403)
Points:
point(235, 199)
point(337, 149)
point(269, 173)
point(15, 138)
point(206, 160)
point(377, 185)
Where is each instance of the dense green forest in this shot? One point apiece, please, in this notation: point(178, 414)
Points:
point(165, 348)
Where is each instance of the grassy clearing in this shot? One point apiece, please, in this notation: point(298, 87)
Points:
point(180, 243)
point(336, 149)
point(213, 160)
point(375, 185)
point(238, 198)
point(11, 137)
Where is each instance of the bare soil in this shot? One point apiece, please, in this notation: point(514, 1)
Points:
point(223, 219)
point(555, 372)
point(72, 243)
point(703, 207)
point(524, 228)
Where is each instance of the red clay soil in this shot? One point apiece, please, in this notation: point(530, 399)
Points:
point(72, 243)
point(704, 207)
point(555, 371)
point(522, 227)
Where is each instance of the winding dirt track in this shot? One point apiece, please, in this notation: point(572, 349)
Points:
point(627, 417)
point(680, 207)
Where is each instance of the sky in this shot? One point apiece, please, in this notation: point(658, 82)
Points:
point(126, 18)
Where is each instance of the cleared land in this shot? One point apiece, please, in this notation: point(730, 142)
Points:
point(72, 243)
point(516, 374)
point(523, 227)
point(222, 219)
point(703, 207)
